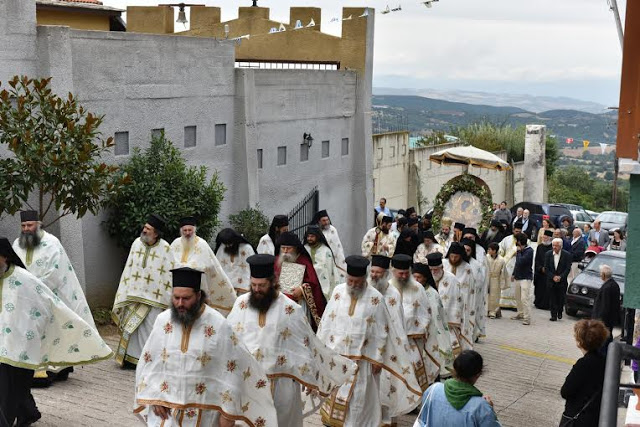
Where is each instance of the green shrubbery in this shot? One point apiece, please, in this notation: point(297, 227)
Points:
point(251, 223)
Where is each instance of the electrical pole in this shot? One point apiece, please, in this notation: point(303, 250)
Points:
point(613, 6)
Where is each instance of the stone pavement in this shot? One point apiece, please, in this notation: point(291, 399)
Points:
point(525, 368)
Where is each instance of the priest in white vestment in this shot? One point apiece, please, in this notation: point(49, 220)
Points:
point(195, 370)
point(189, 250)
point(428, 246)
point(45, 257)
point(323, 261)
point(356, 324)
point(38, 331)
point(322, 219)
point(508, 252)
point(449, 290)
point(276, 331)
point(144, 290)
point(456, 264)
point(445, 236)
point(480, 286)
point(422, 274)
point(232, 250)
point(267, 243)
point(419, 322)
point(379, 240)
point(379, 276)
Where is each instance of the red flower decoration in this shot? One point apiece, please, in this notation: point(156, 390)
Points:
point(146, 357)
point(261, 383)
point(209, 331)
point(231, 365)
point(200, 388)
point(164, 387)
point(168, 328)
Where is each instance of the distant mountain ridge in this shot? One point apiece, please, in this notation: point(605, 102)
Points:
point(420, 114)
point(532, 103)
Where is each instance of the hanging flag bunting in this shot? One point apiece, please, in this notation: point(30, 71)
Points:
point(386, 10)
point(365, 13)
point(298, 25)
point(347, 18)
point(397, 9)
point(585, 144)
point(603, 147)
point(334, 20)
point(311, 24)
point(569, 140)
point(282, 28)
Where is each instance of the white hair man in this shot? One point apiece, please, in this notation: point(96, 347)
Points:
point(191, 251)
point(356, 324)
point(45, 257)
point(557, 265)
point(144, 290)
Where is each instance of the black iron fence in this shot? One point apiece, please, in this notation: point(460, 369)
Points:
point(301, 215)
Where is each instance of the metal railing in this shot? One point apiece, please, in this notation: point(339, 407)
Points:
point(609, 403)
point(302, 214)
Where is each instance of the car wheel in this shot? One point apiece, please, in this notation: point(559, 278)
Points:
point(573, 312)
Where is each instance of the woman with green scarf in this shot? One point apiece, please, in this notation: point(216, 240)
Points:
point(456, 402)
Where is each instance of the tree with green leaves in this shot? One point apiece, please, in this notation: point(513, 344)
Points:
point(56, 152)
point(252, 223)
point(575, 185)
point(163, 183)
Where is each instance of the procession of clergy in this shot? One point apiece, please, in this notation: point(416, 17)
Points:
point(226, 335)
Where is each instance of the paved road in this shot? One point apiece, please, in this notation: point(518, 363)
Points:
point(525, 367)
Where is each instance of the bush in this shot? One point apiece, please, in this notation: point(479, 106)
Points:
point(162, 183)
point(251, 223)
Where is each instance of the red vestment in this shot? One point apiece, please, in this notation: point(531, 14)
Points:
point(311, 289)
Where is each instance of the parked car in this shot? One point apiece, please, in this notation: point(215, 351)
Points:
point(613, 220)
point(580, 218)
point(539, 210)
point(572, 207)
point(592, 214)
point(584, 289)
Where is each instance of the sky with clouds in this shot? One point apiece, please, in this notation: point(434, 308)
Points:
point(538, 47)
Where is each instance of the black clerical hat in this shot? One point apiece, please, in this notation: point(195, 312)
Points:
point(459, 226)
point(468, 242)
point(548, 232)
point(421, 269)
point(280, 221)
point(456, 248)
point(412, 221)
point(188, 220)
point(289, 239)
point(319, 215)
point(261, 265)
point(7, 251)
point(495, 223)
point(156, 221)
point(428, 235)
point(387, 219)
point(518, 224)
point(356, 265)
point(434, 259)
point(29, 216)
point(380, 261)
point(401, 262)
point(185, 277)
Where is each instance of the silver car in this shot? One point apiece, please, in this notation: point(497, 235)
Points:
point(580, 218)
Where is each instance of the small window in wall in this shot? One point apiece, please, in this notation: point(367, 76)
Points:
point(122, 143)
point(325, 149)
point(156, 133)
point(379, 153)
point(393, 152)
point(259, 158)
point(304, 152)
point(189, 136)
point(282, 155)
point(345, 146)
point(221, 134)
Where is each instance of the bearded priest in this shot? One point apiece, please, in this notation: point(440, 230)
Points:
point(144, 290)
point(232, 250)
point(277, 333)
point(308, 293)
point(191, 251)
point(195, 371)
point(357, 325)
point(45, 257)
point(38, 330)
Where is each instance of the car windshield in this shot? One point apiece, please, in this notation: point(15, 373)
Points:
point(617, 264)
point(614, 217)
point(558, 210)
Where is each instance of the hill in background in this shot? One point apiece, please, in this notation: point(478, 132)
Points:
point(422, 115)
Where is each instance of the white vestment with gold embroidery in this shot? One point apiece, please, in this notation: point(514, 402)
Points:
point(201, 370)
point(451, 297)
point(375, 242)
point(266, 245)
point(326, 268)
point(143, 293)
point(360, 329)
point(467, 290)
point(283, 343)
point(331, 234)
point(508, 251)
point(215, 283)
point(236, 266)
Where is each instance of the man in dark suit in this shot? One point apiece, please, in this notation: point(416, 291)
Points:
point(541, 299)
point(606, 307)
point(557, 265)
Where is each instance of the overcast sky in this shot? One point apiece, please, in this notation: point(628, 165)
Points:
point(538, 47)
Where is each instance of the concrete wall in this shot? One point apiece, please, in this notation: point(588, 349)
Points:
point(142, 82)
point(75, 19)
point(391, 169)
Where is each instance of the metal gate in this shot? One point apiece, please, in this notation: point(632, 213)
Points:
point(301, 215)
